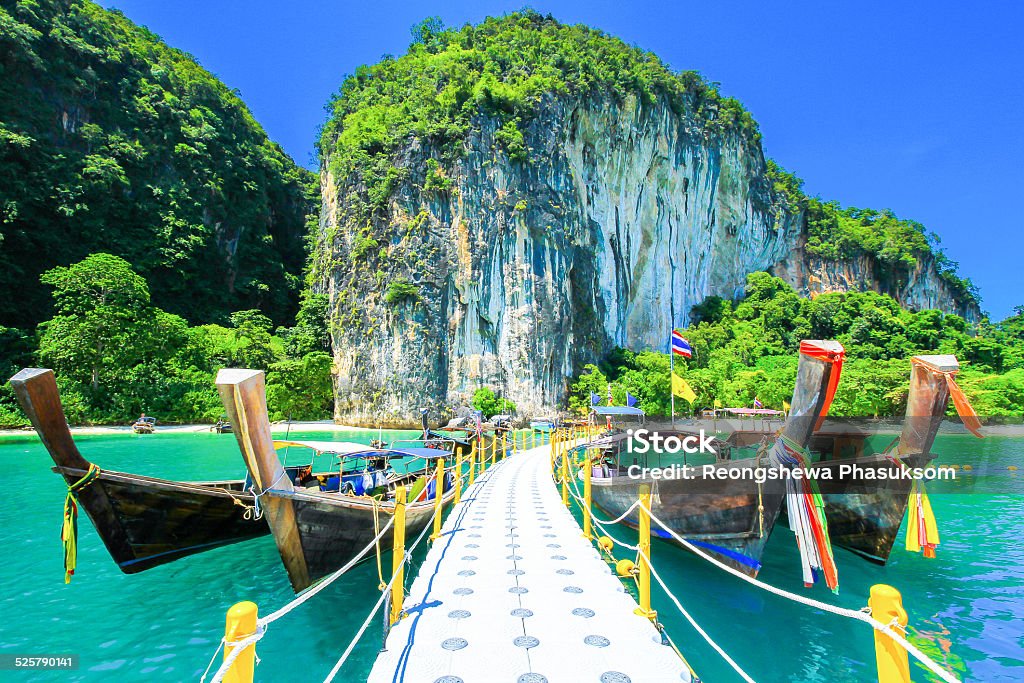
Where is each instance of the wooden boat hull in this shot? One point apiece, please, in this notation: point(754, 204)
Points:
point(864, 516)
point(316, 533)
point(143, 521)
point(722, 518)
point(160, 521)
point(333, 531)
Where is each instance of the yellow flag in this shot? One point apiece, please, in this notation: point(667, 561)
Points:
point(682, 389)
point(718, 404)
point(785, 407)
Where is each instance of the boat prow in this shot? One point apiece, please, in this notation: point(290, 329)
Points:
point(143, 521)
point(318, 530)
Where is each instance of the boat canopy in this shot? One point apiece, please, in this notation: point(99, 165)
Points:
point(619, 411)
point(337, 447)
point(751, 411)
point(350, 449)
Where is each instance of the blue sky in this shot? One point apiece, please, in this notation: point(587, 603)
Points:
point(913, 106)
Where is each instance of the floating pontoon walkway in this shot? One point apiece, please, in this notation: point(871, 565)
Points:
point(512, 591)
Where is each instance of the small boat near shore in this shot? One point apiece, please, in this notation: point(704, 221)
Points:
point(144, 522)
point(316, 527)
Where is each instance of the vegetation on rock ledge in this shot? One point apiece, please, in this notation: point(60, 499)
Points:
point(748, 349)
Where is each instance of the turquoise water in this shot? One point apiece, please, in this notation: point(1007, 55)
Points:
point(966, 607)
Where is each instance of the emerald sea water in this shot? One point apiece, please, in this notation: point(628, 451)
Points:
point(966, 606)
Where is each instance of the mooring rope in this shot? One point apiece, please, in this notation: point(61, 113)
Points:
point(860, 615)
point(261, 625)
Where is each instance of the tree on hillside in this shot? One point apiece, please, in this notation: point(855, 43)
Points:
point(104, 319)
point(490, 405)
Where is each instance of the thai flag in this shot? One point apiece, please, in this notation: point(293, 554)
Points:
point(757, 403)
point(680, 346)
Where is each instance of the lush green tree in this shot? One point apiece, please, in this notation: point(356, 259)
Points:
point(747, 349)
point(310, 331)
point(254, 343)
point(485, 400)
point(112, 141)
point(104, 323)
point(301, 389)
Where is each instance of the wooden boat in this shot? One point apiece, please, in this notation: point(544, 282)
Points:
point(729, 518)
point(864, 515)
point(144, 425)
point(144, 522)
point(316, 531)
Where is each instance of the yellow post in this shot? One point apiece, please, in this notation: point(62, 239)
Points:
point(458, 476)
point(398, 556)
point(438, 498)
point(504, 446)
point(472, 462)
point(886, 604)
point(241, 623)
point(494, 448)
point(644, 565)
point(588, 472)
point(565, 479)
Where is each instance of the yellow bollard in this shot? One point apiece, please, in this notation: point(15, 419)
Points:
point(458, 476)
point(588, 472)
point(886, 604)
point(504, 446)
point(472, 462)
point(438, 499)
point(241, 623)
point(644, 566)
point(494, 448)
point(398, 556)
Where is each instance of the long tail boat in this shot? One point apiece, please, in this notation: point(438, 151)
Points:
point(317, 529)
point(864, 514)
point(144, 522)
point(729, 518)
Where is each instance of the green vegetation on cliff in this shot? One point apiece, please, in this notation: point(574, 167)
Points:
point(502, 67)
point(748, 349)
point(112, 141)
point(897, 245)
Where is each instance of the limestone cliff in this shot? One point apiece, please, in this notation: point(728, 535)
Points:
point(625, 217)
point(510, 201)
point(919, 288)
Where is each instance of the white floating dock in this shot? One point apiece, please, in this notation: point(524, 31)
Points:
point(513, 592)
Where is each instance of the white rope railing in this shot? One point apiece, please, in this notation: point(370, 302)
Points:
point(261, 625)
point(693, 622)
point(860, 615)
point(380, 601)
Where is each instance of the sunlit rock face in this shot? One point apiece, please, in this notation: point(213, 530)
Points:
point(621, 219)
point(920, 289)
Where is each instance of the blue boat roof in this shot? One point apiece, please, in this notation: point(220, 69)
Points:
point(618, 410)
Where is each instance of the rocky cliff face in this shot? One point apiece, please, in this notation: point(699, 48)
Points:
point(513, 274)
point(622, 219)
point(919, 289)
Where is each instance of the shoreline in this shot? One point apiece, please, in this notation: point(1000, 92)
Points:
point(686, 424)
point(275, 427)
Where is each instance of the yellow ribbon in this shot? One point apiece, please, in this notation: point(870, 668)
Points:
point(69, 529)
